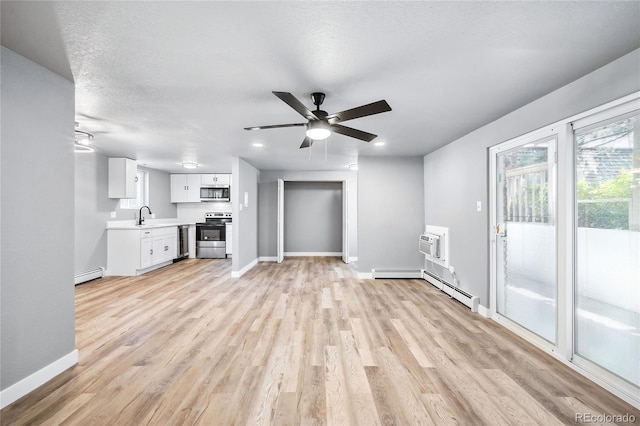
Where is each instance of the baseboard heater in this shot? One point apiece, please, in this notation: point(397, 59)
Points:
point(396, 273)
point(455, 292)
point(89, 275)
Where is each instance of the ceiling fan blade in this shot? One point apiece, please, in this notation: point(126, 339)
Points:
point(306, 143)
point(294, 103)
point(361, 111)
point(354, 133)
point(275, 126)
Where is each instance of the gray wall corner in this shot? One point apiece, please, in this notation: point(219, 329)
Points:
point(390, 212)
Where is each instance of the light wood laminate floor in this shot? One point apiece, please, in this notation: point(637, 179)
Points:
point(303, 342)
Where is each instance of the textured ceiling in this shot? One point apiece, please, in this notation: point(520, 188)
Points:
point(166, 82)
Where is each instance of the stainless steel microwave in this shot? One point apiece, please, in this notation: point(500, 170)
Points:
point(209, 193)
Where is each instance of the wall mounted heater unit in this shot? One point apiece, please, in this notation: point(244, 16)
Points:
point(455, 292)
point(89, 275)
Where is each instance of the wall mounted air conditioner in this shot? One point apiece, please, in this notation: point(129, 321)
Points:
point(429, 245)
point(434, 244)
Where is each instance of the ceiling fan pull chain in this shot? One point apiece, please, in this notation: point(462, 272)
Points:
point(326, 148)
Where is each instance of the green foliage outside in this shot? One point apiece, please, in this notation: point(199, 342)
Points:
point(605, 214)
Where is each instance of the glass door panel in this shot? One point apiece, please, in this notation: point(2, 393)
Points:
point(526, 237)
point(607, 283)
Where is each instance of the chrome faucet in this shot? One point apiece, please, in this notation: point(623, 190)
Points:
point(140, 219)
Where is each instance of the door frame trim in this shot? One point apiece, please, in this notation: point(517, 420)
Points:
point(541, 134)
point(346, 220)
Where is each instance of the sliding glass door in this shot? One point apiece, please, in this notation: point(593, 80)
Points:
point(607, 244)
point(525, 235)
point(565, 235)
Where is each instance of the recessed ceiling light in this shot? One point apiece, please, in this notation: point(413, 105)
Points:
point(257, 145)
point(189, 164)
point(379, 143)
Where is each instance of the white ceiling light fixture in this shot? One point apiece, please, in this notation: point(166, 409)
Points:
point(318, 130)
point(190, 164)
point(83, 141)
point(379, 143)
point(257, 144)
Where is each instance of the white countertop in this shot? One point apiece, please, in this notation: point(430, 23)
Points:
point(148, 224)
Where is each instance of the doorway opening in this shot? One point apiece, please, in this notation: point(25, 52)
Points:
point(312, 219)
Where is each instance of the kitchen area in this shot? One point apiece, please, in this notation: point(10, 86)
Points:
point(183, 215)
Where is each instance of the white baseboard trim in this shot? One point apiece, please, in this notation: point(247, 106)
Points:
point(313, 253)
point(364, 276)
point(396, 273)
point(353, 259)
point(37, 379)
point(485, 312)
point(152, 268)
point(241, 272)
point(268, 259)
point(89, 275)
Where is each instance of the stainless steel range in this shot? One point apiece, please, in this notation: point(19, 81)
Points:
point(211, 235)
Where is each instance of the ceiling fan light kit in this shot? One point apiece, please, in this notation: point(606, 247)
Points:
point(320, 125)
point(318, 130)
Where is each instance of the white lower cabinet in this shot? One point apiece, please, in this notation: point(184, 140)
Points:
point(170, 248)
point(136, 251)
point(158, 246)
point(146, 252)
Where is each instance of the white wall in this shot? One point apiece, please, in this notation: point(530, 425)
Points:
point(37, 308)
point(194, 212)
point(608, 261)
point(245, 216)
point(456, 176)
point(390, 213)
point(530, 251)
point(609, 266)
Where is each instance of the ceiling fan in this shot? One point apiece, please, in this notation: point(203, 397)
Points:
point(320, 124)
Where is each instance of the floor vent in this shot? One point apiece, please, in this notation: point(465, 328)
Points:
point(455, 292)
point(396, 273)
point(89, 275)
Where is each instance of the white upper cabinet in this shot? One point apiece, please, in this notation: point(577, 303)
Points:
point(185, 188)
point(122, 178)
point(217, 179)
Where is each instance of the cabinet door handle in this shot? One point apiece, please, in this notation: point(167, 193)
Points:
point(166, 248)
point(151, 251)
